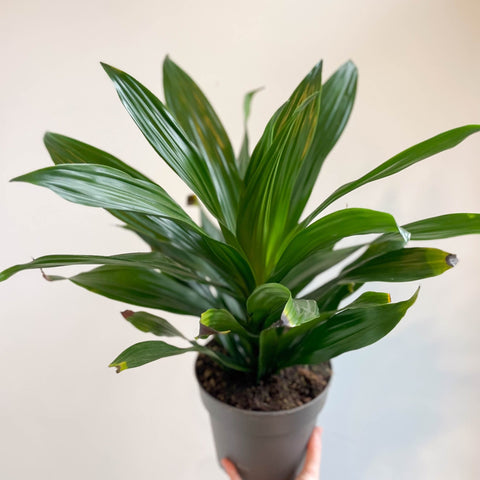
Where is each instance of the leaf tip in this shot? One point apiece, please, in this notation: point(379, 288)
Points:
point(119, 367)
point(127, 314)
point(451, 260)
point(192, 200)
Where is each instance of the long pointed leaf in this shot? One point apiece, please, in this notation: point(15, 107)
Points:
point(198, 119)
point(146, 322)
point(348, 330)
point(147, 260)
point(144, 287)
point(166, 136)
point(338, 96)
point(146, 352)
point(106, 187)
point(412, 155)
point(65, 150)
point(330, 229)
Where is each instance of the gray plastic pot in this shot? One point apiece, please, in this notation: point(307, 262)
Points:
point(263, 445)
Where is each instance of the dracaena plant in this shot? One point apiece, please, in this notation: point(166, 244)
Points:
point(246, 269)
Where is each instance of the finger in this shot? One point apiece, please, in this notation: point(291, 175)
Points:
point(311, 470)
point(230, 469)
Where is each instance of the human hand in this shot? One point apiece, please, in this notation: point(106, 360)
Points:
point(311, 469)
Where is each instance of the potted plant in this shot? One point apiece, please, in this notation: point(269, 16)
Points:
point(247, 269)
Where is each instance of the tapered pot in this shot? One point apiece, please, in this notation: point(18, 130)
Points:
point(263, 445)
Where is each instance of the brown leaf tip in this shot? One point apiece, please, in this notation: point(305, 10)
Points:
point(127, 314)
point(451, 259)
point(192, 200)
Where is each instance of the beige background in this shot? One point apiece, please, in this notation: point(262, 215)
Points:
point(405, 408)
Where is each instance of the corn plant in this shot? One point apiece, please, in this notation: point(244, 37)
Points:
point(246, 270)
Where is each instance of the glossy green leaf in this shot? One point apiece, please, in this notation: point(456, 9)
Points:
point(147, 322)
point(196, 116)
point(328, 230)
point(271, 175)
point(166, 136)
point(338, 96)
point(106, 187)
point(444, 226)
point(65, 150)
point(405, 265)
point(348, 330)
point(307, 270)
point(369, 299)
point(146, 352)
point(330, 295)
point(144, 287)
point(408, 157)
point(266, 303)
point(264, 208)
point(148, 260)
point(219, 321)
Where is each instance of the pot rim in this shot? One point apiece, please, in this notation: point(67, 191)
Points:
point(256, 413)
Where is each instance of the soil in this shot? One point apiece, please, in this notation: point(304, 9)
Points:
point(289, 388)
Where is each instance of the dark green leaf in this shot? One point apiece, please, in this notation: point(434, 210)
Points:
point(166, 137)
point(271, 175)
point(146, 322)
point(412, 155)
point(198, 119)
point(266, 303)
point(106, 187)
point(348, 330)
point(143, 287)
point(146, 352)
point(404, 265)
point(65, 150)
point(148, 260)
point(305, 271)
point(338, 95)
point(328, 230)
point(444, 226)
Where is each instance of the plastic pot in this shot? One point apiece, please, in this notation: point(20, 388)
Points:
point(263, 445)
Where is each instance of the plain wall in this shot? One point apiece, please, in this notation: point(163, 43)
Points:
point(406, 407)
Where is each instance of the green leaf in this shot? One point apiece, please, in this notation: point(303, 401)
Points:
point(444, 226)
point(350, 329)
point(144, 287)
point(404, 265)
point(106, 187)
point(369, 299)
point(65, 150)
point(264, 208)
point(305, 271)
point(200, 122)
point(266, 303)
point(271, 175)
point(167, 137)
point(149, 260)
point(298, 311)
point(338, 96)
point(244, 155)
point(328, 230)
point(146, 352)
point(412, 155)
point(330, 295)
point(220, 321)
point(146, 322)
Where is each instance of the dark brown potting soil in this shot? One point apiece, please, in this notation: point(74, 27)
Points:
point(289, 388)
